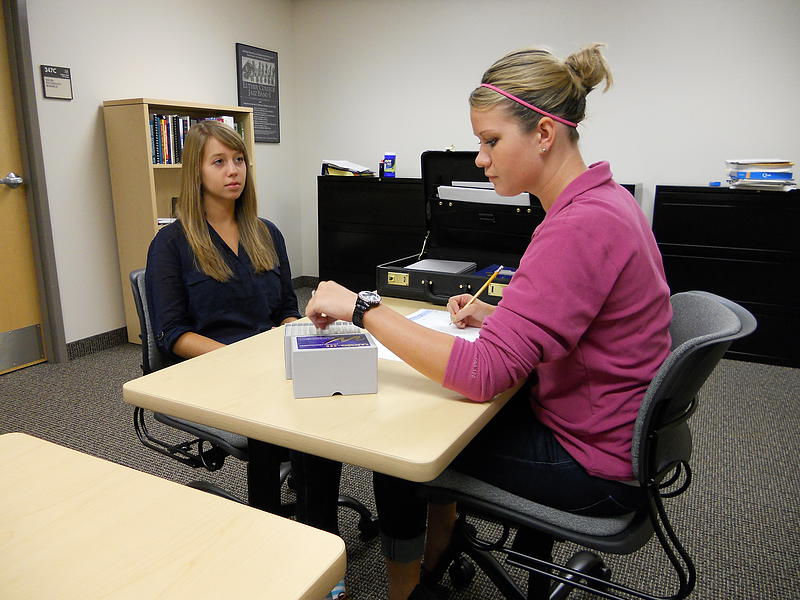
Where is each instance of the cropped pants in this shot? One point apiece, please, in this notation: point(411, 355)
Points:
point(514, 452)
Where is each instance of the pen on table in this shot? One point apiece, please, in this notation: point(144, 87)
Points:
point(480, 291)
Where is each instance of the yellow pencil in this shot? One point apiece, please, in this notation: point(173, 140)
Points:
point(483, 287)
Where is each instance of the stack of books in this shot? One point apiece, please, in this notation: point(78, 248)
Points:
point(761, 174)
point(167, 133)
point(345, 167)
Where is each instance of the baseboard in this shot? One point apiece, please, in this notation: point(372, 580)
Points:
point(305, 281)
point(95, 343)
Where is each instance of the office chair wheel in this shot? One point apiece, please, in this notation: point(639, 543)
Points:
point(368, 526)
point(461, 573)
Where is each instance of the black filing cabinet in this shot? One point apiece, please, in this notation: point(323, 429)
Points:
point(743, 245)
point(364, 222)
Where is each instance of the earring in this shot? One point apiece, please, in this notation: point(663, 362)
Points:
point(543, 149)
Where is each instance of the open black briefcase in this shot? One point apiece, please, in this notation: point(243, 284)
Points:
point(487, 234)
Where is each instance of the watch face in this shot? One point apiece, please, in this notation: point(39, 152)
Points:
point(370, 298)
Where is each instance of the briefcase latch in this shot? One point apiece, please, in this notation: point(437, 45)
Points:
point(496, 289)
point(397, 278)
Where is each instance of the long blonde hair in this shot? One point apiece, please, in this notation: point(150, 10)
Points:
point(556, 86)
point(253, 233)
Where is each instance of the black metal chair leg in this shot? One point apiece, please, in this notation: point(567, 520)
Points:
point(367, 523)
point(210, 488)
point(462, 543)
point(585, 562)
point(499, 576)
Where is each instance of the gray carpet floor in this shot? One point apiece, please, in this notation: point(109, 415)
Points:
point(739, 520)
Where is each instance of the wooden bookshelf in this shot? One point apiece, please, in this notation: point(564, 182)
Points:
point(142, 191)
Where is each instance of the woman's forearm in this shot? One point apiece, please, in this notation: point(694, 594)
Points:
point(426, 350)
point(192, 344)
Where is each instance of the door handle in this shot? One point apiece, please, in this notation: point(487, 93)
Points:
point(12, 180)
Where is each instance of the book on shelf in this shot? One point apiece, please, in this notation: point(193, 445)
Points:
point(169, 120)
point(155, 139)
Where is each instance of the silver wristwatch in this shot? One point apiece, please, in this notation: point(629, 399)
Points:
point(364, 302)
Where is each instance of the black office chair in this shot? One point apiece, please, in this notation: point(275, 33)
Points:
point(703, 327)
point(210, 446)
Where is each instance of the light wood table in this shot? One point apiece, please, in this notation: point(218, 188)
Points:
point(412, 428)
point(76, 526)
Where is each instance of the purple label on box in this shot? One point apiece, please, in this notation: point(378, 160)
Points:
point(316, 342)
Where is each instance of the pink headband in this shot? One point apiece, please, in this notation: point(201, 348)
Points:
point(525, 104)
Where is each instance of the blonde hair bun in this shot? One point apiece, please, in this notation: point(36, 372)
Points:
point(534, 75)
point(590, 67)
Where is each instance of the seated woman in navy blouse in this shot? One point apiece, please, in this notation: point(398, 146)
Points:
point(220, 274)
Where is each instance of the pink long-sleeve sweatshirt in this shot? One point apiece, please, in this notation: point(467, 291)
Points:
point(589, 310)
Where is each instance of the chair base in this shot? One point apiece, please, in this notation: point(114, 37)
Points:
point(582, 562)
point(367, 522)
point(191, 452)
point(210, 488)
point(585, 570)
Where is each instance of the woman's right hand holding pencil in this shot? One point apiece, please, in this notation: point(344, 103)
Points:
point(468, 316)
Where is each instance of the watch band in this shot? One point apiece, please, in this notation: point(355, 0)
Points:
point(358, 312)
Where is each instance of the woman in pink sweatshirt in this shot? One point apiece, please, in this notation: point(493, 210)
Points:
point(584, 321)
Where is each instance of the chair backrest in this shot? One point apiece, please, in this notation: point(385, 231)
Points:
point(153, 358)
point(703, 327)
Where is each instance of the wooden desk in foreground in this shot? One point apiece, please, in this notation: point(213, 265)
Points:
point(76, 526)
point(412, 428)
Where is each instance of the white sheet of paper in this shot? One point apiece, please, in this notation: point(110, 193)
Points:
point(432, 319)
point(346, 164)
point(481, 195)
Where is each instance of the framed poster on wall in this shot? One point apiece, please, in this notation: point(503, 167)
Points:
point(257, 80)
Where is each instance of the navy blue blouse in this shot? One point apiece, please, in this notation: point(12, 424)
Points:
point(182, 298)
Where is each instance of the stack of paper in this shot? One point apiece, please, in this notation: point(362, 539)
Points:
point(479, 191)
point(432, 319)
point(345, 167)
point(760, 174)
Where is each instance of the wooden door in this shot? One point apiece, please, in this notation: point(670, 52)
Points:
point(20, 316)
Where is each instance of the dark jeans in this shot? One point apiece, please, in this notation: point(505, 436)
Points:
point(316, 482)
point(513, 452)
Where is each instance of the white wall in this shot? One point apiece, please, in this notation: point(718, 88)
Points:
point(696, 82)
point(179, 50)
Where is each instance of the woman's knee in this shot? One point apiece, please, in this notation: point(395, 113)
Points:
point(402, 514)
